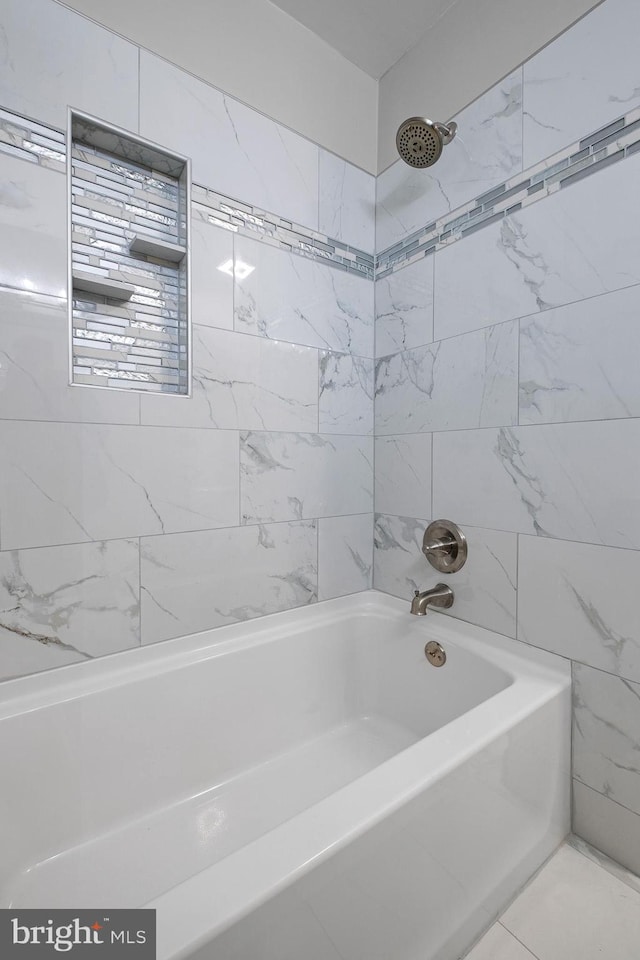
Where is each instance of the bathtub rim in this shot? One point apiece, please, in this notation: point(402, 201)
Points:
point(196, 910)
point(72, 681)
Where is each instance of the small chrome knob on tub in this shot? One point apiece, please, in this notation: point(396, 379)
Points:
point(439, 596)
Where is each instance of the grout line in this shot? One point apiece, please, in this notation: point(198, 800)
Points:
point(181, 533)
point(596, 856)
point(331, 436)
point(506, 426)
point(139, 591)
point(432, 477)
point(239, 455)
point(457, 616)
point(536, 314)
point(517, 598)
point(317, 531)
point(139, 57)
point(575, 777)
point(522, 112)
point(521, 942)
point(518, 340)
point(522, 533)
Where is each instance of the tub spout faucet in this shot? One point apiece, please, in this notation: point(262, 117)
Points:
point(440, 596)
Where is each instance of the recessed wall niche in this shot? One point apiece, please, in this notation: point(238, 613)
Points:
point(129, 205)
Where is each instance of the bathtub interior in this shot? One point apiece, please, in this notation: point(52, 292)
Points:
point(150, 779)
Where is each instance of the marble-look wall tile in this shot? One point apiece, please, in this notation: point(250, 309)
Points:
point(345, 562)
point(347, 202)
point(33, 227)
point(211, 288)
point(295, 476)
point(585, 78)
point(606, 720)
point(607, 826)
point(581, 362)
point(404, 308)
point(567, 604)
point(346, 394)
point(51, 58)
point(59, 605)
point(486, 151)
point(65, 483)
point(34, 367)
point(235, 150)
point(288, 297)
point(485, 588)
point(550, 253)
point(242, 382)
point(553, 480)
point(467, 381)
point(195, 581)
point(403, 475)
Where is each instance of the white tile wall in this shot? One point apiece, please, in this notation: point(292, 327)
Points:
point(579, 600)
point(346, 394)
point(347, 202)
point(67, 482)
point(449, 385)
point(211, 288)
point(403, 475)
point(287, 297)
point(52, 58)
point(404, 308)
point(608, 824)
point(193, 581)
point(234, 150)
point(549, 495)
point(243, 382)
point(34, 367)
point(63, 604)
point(33, 227)
point(553, 252)
point(580, 362)
point(605, 742)
point(553, 480)
point(581, 80)
point(486, 151)
point(295, 476)
point(345, 555)
point(485, 589)
point(284, 356)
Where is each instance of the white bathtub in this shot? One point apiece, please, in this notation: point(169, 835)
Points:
point(303, 787)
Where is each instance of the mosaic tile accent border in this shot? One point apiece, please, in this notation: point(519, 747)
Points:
point(41, 144)
point(45, 145)
point(259, 224)
point(32, 141)
point(605, 146)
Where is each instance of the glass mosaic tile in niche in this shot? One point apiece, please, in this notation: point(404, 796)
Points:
point(129, 261)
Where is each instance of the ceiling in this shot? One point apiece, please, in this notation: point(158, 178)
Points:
point(373, 34)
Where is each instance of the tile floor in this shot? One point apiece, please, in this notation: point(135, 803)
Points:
point(580, 906)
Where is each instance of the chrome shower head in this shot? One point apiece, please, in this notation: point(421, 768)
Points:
point(420, 141)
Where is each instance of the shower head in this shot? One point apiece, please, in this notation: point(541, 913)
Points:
point(420, 141)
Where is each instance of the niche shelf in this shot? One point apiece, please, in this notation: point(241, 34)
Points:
point(102, 286)
point(161, 249)
point(129, 206)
